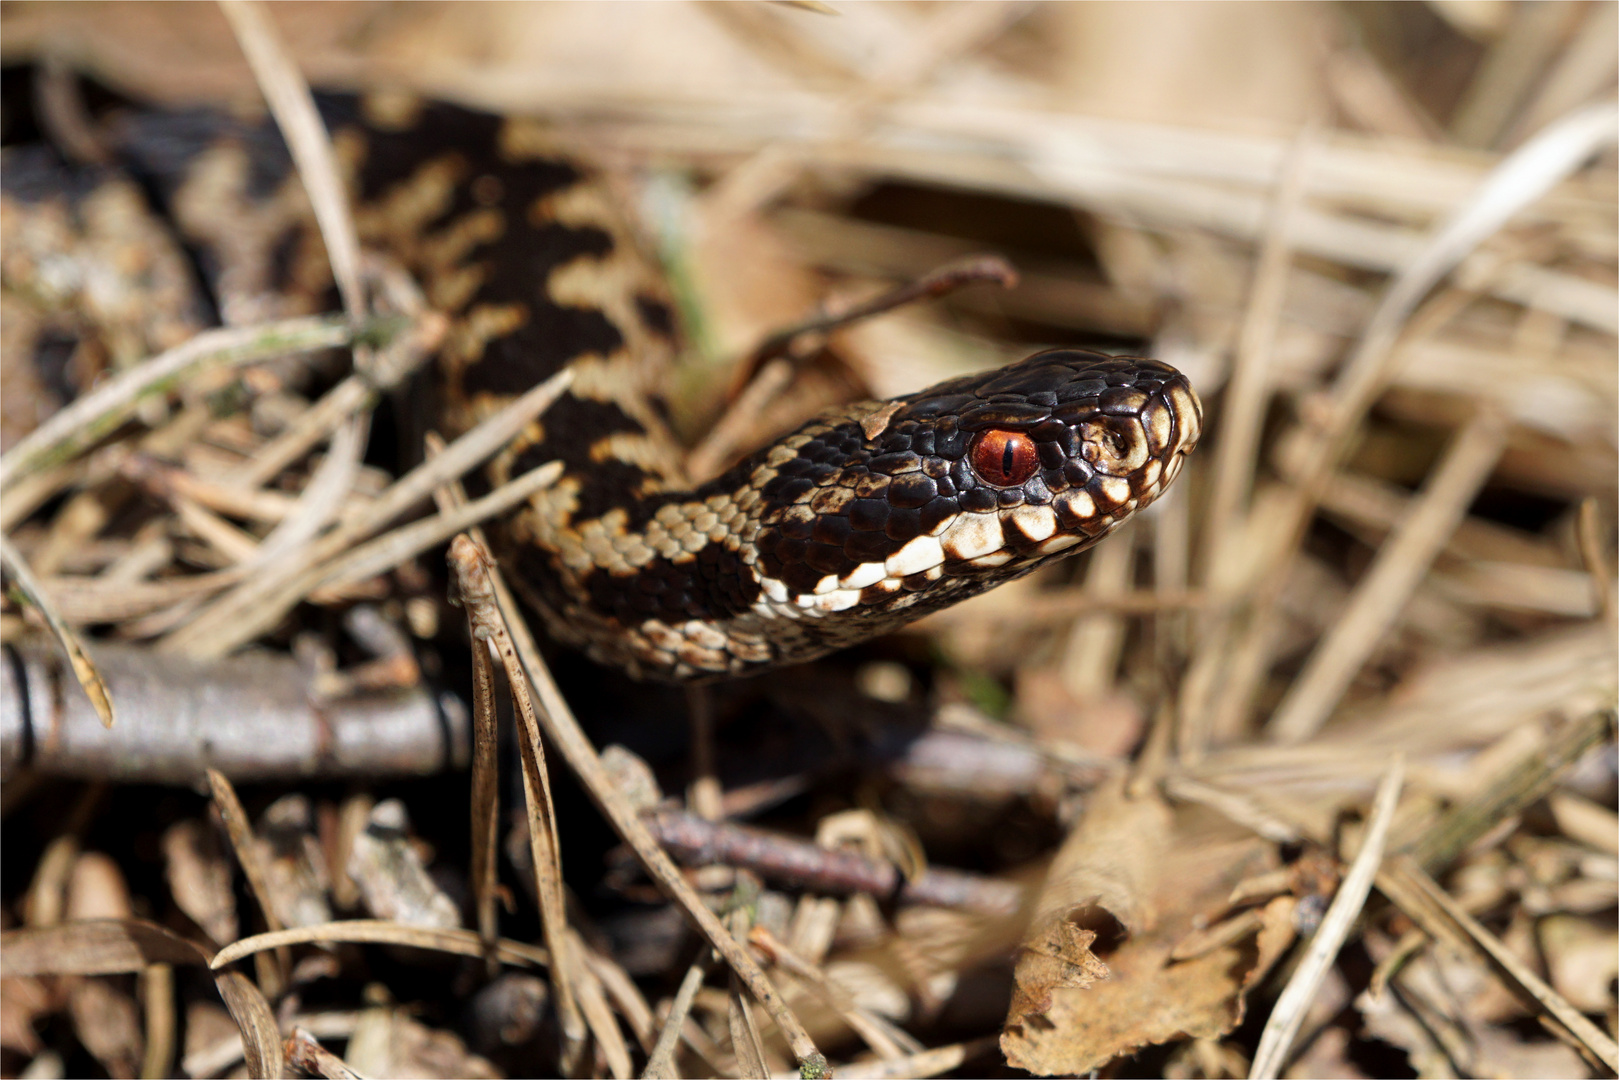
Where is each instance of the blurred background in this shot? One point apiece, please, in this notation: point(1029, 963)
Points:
point(1398, 533)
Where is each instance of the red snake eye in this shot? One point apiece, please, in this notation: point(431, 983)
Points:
point(1004, 458)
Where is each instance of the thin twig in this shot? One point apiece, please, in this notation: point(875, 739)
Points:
point(795, 863)
point(970, 270)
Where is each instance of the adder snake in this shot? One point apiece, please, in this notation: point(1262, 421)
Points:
point(869, 516)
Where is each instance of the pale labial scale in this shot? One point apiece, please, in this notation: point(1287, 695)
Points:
point(922, 553)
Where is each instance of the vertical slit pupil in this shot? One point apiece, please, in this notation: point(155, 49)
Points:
point(1004, 458)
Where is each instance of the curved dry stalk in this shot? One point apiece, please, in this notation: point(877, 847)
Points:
point(382, 932)
point(84, 669)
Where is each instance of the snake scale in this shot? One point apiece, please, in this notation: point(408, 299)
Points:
point(868, 516)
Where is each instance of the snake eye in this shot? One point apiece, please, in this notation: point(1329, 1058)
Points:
point(1004, 458)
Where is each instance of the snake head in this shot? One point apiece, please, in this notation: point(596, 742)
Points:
point(971, 482)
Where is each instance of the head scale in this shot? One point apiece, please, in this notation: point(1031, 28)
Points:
point(973, 482)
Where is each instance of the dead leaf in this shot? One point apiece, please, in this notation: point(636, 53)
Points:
point(394, 883)
point(199, 878)
point(96, 890)
point(21, 1002)
point(107, 1023)
point(1125, 890)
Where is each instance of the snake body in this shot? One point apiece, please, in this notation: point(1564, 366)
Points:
point(867, 517)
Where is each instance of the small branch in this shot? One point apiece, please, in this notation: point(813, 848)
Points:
point(769, 368)
point(252, 717)
point(941, 282)
point(804, 865)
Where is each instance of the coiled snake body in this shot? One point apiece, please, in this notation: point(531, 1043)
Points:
point(869, 516)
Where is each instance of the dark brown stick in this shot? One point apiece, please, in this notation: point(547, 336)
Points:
point(801, 864)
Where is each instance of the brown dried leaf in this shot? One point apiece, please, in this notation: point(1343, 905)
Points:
point(199, 878)
point(1125, 890)
point(1059, 957)
point(21, 1001)
point(394, 883)
point(107, 1022)
point(212, 1040)
point(388, 1043)
point(96, 890)
point(96, 947)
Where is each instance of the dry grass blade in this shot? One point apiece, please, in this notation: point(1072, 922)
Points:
point(1522, 178)
point(324, 496)
point(1510, 793)
point(84, 669)
point(885, 1038)
point(570, 739)
point(660, 1062)
point(288, 95)
point(157, 997)
point(597, 1012)
point(1288, 1016)
point(379, 932)
point(95, 947)
point(1385, 590)
point(261, 1038)
point(1237, 449)
point(470, 563)
point(257, 604)
point(940, 1059)
point(745, 1042)
point(484, 869)
point(248, 857)
point(1420, 897)
point(389, 550)
point(91, 417)
point(1591, 555)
